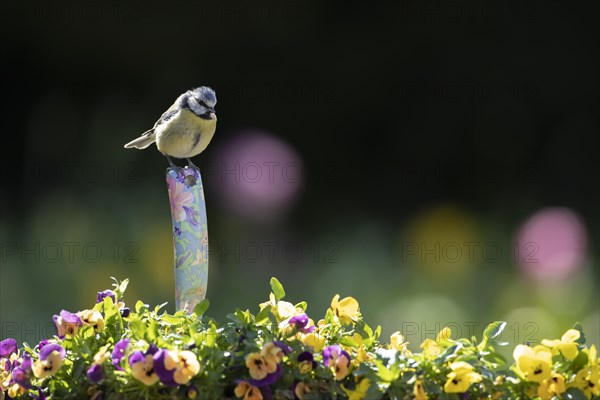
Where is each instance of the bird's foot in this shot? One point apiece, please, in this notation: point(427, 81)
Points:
point(191, 164)
point(171, 162)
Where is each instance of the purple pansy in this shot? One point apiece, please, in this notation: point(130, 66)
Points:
point(95, 373)
point(21, 377)
point(332, 353)
point(119, 352)
point(49, 348)
point(66, 323)
point(136, 357)
point(284, 347)
point(104, 294)
point(8, 347)
point(301, 321)
point(125, 311)
point(42, 344)
point(166, 376)
point(307, 356)
point(269, 379)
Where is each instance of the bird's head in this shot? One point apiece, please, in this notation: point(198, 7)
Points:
point(201, 101)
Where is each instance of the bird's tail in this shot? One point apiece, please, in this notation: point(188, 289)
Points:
point(142, 142)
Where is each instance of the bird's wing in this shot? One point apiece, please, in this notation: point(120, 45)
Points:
point(167, 115)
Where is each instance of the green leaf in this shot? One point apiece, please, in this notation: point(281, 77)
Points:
point(494, 330)
point(581, 340)
point(201, 307)
point(123, 286)
point(170, 319)
point(579, 362)
point(277, 289)
point(384, 373)
point(347, 341)
point(490, 333)
point(140, 306)
point(263, 315)
point(137, 327)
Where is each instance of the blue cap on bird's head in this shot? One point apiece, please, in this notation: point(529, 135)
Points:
point(204, 94)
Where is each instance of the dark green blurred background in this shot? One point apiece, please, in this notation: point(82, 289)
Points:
point(436, 159)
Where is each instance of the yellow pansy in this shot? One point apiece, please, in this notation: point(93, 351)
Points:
point(566, 346)
point(246, 391)
point(397, 342)
point(555, 385)
point(301, 389)
point(184, 362)
point(430, 348)
point(588, 379)
point(314, 340)
point(444, 337)
point(272, 353)
point(15, 390)
point(259, 367)
point(347, 309)
point(535, 364)
point(461, 377)
point(92, 318)
point(102, 355)
point(51, 359)
point(143, 370)
point(419, 390)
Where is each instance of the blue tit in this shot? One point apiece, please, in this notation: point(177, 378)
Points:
point(186, 128)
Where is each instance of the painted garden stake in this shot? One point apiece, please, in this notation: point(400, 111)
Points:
point(190, 236)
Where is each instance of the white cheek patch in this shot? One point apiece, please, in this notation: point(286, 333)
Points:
point(195, 106)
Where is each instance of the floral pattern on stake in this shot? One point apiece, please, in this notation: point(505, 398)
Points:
point(190, 236)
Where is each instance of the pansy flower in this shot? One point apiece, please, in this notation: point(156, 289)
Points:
point(588, 378)
point(314, 340)
point(300, 389)
point(176, 367)
point(92, 318)
point(275, 351)
point(8, 347)
point(66, 324)
point(338, 360)
point(119, 352)
point(567, 345)
point(553, 386)
point(244, 390)
point(346, 310)
point(95, 373)
point(306, 362)
point(535, 364)
point(397, 342)
point(259, 367)
point(301, 323)
point(461, 377)
point(50, 360)
point(419, 390)
point(142, 366)
point(106, 293)
point(102, 354)
point(22, 373)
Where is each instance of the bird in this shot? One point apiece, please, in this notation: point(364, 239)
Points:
point(185, 129)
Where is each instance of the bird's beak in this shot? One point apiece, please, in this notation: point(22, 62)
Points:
point(212, 110)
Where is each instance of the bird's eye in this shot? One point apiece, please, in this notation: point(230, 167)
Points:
point(203, 104)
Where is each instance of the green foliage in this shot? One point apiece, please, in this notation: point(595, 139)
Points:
point(279, 353)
